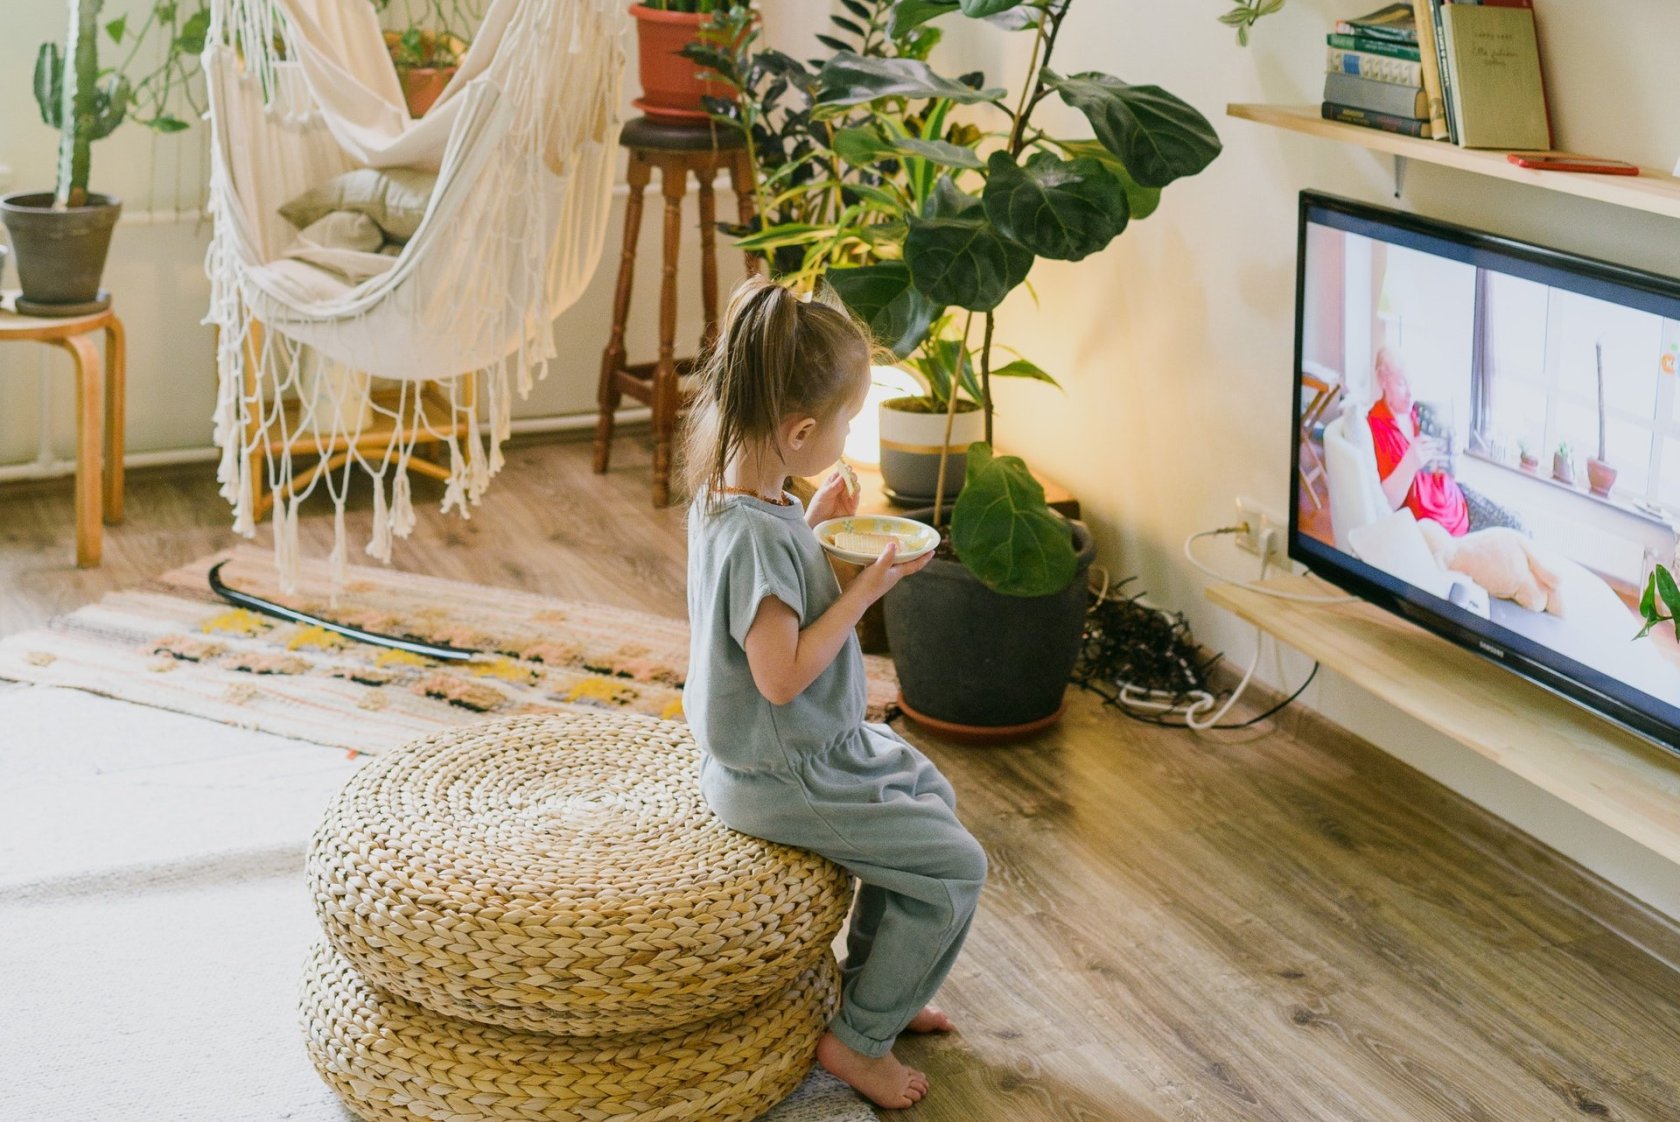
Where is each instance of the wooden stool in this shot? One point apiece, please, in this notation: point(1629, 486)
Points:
point(677, 151)
point(99, 412)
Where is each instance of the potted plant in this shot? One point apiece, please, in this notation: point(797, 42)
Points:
point(1526, 459)
point(672, 85)
point(931, 226)
point(1661, 592)
point(1600, 475)
point(61, 237)
point(426, 59)
point(1563, 464)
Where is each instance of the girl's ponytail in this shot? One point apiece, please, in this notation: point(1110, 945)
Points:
point(774, 355)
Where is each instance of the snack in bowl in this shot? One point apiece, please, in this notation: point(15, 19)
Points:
point(860, 538)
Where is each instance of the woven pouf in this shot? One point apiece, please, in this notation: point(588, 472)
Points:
point(561, 874)
point(392, 1061)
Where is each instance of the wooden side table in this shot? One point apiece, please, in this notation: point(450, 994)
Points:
point(678, 151)
point(99, 412)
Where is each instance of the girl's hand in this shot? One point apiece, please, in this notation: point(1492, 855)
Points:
point(832, 500)
point(878, 579)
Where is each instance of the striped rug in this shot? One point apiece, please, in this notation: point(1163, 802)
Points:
point(170, 643)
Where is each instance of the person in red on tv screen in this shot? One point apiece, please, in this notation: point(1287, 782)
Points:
point(1403, 455)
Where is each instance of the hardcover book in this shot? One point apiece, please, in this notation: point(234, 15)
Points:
point(1394, 22)
point(1387, 122)
point(1380, 97)
point(1429, 68)
point(1373, 46)
point(1381, 68)
point(1493, 62)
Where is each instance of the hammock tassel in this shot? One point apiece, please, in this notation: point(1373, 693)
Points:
point(379, 544)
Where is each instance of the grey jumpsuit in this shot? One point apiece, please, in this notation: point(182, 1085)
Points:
point(812, 774)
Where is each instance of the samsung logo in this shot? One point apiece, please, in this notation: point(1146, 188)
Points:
point(1489, 648)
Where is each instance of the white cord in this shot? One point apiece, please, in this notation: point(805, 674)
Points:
point(1248, 675)
point(1190, 556)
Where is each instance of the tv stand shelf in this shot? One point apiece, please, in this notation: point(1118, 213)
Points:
point(1615, 777)
point(1651, 190)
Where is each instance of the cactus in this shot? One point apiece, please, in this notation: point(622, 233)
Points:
point(76, 102)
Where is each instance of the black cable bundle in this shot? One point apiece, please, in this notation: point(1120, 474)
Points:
point(1128, 643)
point(1130, 647)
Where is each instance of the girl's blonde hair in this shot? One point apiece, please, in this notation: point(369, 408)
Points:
point(775, 355)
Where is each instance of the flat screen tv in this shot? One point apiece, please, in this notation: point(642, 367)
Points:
point(1487, 442)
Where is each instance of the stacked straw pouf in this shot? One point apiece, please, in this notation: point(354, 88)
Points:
point(539, 918)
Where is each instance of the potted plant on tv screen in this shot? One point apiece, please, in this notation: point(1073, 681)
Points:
point(60, 237)
point(925, 222)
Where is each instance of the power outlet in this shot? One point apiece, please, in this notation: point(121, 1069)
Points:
point(1261, 525)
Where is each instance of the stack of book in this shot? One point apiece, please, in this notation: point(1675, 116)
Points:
point(1465, 71)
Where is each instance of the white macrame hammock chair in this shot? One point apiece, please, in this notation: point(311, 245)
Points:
point(523, 140)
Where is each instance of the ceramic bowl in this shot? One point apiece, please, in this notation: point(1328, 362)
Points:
point(915, 538)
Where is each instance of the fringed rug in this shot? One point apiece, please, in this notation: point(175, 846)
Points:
point(173, 644)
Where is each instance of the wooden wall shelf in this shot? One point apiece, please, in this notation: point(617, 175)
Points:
point(1615, 777)
point(1651, 190)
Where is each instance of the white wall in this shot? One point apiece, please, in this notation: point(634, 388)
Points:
point(1176, 344)
point(156, 267)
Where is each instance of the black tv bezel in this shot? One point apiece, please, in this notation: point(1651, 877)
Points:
point(1632, 709)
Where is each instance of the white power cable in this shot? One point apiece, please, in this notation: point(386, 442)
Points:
point(1252, 586)
point(1248, 675)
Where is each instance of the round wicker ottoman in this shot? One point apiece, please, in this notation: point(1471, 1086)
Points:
point(392, 1061)
point(561, 874)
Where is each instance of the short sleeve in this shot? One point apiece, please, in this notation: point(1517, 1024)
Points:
point(759, 564)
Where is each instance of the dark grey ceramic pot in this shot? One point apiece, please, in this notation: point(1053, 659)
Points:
point(60, 253)
point(970, 657)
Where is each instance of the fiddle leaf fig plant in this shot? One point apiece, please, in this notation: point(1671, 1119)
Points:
point(924, 199)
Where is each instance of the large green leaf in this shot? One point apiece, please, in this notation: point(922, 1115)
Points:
point(1061, 209)
point(1141, 201)
point(1003, 531)
point(964, 262)
point(883, 297)
point(1014, 15)
point(862, 146)
point(1021, 368)
point(1157, 136)
point(848, 79)
point(907, 15)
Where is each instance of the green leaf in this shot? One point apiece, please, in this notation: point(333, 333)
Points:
point(1667, 590)
point(194, 32)
point(1141, 201)
point(116, 28)
point(1021, 368)
point(862, 146)
point(1062, 209)
point(980, 9)
point(907, 15)
point(883, 297)
point(947, 200)
point(1157, 136)
point(1004, 532)
point(166, 124)
point(964, 262)
point(848, 79)
point(788, 233)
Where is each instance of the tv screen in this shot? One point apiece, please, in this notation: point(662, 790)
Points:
point(1487, 440)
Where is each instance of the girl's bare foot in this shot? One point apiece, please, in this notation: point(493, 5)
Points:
point(883, 1080)
point(931, 1019)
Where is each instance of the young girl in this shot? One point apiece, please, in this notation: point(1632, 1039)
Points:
point(775, 691)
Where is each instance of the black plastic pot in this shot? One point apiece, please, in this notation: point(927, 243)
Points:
point(60, 253)
point(976, 663)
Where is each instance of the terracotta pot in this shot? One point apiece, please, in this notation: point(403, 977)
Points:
point(1563, 469)
point(671, 87)
point(60, 253)
point(1600, 478)
point(423, 85)
point(1529, 463)
point(910, 447)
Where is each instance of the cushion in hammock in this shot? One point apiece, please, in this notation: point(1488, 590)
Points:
point(395, 198)
point(346, 243)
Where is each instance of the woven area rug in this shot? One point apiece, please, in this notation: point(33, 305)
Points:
point(155, 917)
point(173, 644)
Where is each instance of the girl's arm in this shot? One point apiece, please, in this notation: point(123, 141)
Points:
point(785, 660)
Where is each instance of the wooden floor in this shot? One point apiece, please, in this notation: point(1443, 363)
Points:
point(1283, 926)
